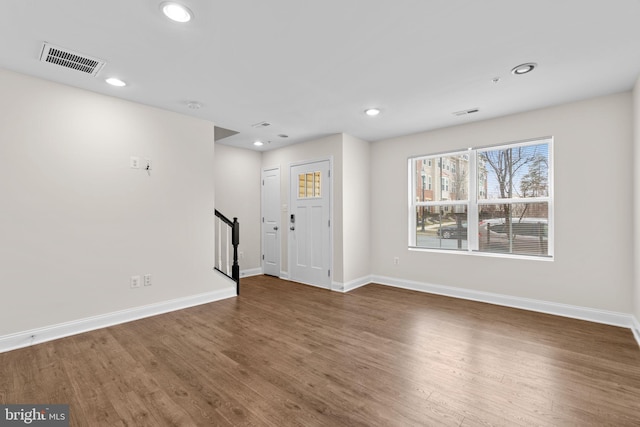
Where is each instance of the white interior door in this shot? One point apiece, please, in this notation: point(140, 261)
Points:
point(309, 224)
point(271, 227)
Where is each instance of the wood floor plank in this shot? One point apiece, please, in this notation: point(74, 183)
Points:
point(284, 354)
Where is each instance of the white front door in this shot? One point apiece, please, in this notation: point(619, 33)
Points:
point(309, 224)
point(271, 228)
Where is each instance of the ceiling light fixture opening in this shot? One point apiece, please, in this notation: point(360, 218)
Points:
point(258, 143)
point(524, 68)
point(372, 112)
point(176, 12)
point(115, 82)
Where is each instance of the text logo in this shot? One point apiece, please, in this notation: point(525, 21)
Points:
point(34, 415)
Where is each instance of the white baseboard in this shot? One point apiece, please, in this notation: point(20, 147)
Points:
point(251, 272)
point(61, 330)
point(565, 310)
point(284, 275)
point(351, 285)
point(635, 328)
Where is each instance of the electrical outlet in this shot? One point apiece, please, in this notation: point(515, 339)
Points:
point(134, 162)
point(147, 280)
point(241, 254)
point(135, 281)
point(396, 261)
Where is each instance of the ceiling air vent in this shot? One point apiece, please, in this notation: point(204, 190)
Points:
point(465, 112)
point(261, 125)
point(69, 59)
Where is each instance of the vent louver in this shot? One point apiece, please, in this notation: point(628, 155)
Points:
point(465, 112)
point(73, 60)
point(260, 125)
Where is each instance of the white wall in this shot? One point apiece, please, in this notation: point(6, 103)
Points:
point(237, 177)
point(593, 208)
point(328, 147)
point(356, 209)
point(636, 195)
point(76, 222)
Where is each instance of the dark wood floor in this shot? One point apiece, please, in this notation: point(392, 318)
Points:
point(285, 354)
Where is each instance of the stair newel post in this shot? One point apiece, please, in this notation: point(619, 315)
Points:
point(235, 240)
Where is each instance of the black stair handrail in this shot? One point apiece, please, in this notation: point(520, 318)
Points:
point(235, 241)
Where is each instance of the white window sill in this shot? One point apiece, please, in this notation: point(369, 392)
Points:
point(482, 254)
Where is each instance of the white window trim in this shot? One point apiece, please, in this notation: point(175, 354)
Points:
point(473, 202)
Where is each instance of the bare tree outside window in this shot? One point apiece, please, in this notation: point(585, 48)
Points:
point(536, 182)
point(513, 174)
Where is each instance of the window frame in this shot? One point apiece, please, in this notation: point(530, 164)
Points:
point(473, 201)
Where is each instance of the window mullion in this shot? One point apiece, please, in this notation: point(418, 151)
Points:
point(443, 203)
point(472, 222)
point(412, 203)
point(514, 200)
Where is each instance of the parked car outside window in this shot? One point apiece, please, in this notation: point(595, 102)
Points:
point(453, 231)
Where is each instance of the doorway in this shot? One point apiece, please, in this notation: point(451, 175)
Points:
point(271, 227)
point(309, 223)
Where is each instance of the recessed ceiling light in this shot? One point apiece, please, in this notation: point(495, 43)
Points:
point(258, 143)
point(115, 82)
point(524, 68)
point(372, 111)
point(176, 12)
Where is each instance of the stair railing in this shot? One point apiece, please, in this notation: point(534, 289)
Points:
point(227, 241)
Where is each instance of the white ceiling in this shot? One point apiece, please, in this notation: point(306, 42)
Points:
point(310, 68)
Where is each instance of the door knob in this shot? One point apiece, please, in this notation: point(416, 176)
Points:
point(275, 228)
point(292, 228)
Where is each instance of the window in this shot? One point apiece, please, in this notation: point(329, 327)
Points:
point(445, 184)
point(429, 184)
point(491, 200)
point(309, 185)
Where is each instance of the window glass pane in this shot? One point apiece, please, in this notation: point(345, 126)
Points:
point(442, 227)
point(449, 175)
point(301, 186)
point(513, 173)
point(517, 228)
point(309, 184)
